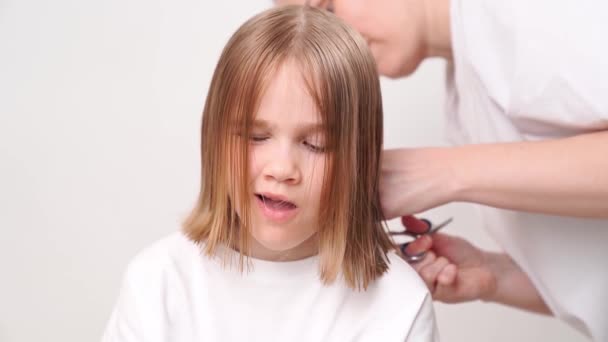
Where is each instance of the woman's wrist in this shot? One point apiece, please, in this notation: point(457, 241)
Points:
point(510, 285)
point(458, 175)
point(493, 263)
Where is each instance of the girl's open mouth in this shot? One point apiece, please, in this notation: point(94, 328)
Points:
point(275, 208)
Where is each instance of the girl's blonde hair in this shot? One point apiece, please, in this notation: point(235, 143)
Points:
point(341, 77)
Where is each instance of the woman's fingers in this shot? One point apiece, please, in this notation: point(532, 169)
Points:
point(414, 225)
point(431, 272)
point(447, 276)
point(429, 258)
point(420, 245)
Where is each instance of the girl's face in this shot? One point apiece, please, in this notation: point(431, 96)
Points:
point(287, 160)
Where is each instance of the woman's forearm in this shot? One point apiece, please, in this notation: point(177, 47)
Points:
point(512, 285)
point(561, 177)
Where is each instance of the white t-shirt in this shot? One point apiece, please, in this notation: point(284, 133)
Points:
point(173, 293)
point(526, 71)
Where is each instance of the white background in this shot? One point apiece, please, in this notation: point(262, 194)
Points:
point(100, 106)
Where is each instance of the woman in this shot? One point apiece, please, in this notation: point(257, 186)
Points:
point(527, 107)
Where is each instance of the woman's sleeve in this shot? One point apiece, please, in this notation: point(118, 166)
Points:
point(542, 62)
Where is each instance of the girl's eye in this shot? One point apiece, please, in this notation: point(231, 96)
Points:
point(314, 148)
point(258, 138)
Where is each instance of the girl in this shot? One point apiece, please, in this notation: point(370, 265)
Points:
point(286, 241)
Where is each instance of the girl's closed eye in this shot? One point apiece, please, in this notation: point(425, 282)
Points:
point(258, 138)
point(315, 144)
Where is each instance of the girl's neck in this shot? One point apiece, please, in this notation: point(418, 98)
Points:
point(304, 250)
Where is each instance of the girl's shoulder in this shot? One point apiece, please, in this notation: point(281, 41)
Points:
point(162, 258)
point(402, 305)
point(399, 285)
point(151, 294)
point(402, 276)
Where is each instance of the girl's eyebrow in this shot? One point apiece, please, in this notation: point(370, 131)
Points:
point(261, 124)
point(313, 127)
point(306, 127)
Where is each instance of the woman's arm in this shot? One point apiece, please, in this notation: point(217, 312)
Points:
point(561, 177)
point(513, 287)
point(456, 271)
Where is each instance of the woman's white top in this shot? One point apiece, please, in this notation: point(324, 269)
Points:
point(528, 71)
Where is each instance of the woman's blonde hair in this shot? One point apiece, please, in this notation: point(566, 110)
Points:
point(341, 77)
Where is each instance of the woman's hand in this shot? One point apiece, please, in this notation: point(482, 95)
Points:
point(456, 271)
point(414, 180)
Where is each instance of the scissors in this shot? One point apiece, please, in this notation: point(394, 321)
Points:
point(431, 229)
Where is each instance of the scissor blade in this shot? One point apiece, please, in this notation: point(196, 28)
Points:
point(439, 226)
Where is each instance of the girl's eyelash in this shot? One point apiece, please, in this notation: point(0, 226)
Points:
point(310, 146)
point(314, 148)
point(258, 138)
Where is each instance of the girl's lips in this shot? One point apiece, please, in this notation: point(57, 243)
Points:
point(276, 210)
point(276, 198)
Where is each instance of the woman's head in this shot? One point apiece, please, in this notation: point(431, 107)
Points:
point(393, 29)
point(291, 141)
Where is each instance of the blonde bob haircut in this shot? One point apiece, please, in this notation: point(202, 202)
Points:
point(341, 77)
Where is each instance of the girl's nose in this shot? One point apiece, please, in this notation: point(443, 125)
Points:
point(283, 168)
